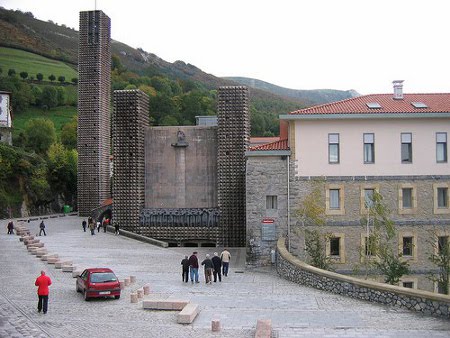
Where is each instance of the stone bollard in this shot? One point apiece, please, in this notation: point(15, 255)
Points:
point(122, 284)
point(132, 279)
point(215, 325)
point(146, 289)
point(127, 281)
point(134, 297)
point(140, 293)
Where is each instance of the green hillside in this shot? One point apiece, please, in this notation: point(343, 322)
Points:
point(22, 61)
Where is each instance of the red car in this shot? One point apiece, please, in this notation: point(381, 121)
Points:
point(98, 282)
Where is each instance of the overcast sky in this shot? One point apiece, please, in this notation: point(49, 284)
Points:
point(300, 44)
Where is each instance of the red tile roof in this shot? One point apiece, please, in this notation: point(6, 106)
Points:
point(436, 103)
point(277, 145)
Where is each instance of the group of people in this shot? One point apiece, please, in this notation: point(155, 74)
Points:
point(214, 267)
point(97, 225)
point(10, 228)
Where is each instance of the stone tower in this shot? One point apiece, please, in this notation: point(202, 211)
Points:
point(94, 83)
point(233, 139)
point(130, 121)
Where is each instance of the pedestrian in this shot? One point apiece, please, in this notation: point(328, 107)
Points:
point(105, 224)
point(207, 262)
point(185, 269)
point(42, 229)
point(217, 265)
point(83, 224)
point(91, 225)
point(98, 226)
point(116, 228)
point(43, 282)
point(225, 257)
point(10, 227)
point(193, 267)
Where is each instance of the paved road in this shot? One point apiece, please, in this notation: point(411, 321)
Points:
point(242, 297)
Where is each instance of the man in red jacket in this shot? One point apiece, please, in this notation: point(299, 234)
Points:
point(43, 282)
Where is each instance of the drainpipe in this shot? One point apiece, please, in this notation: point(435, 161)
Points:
point(288, 207)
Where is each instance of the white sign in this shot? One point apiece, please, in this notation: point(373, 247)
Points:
point(5, 117)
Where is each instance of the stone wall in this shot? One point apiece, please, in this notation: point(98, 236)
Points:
point(266, 176)
point(293, 269)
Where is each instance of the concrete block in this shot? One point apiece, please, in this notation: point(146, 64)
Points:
point(67, 268)
point(215, 325)
point(134, 297)
point(122, 284)
point(41, 252)
point(127, 281)
point(140, 293)
point(76, 273)
point(164, 304)
point(59, 264)
point(263, 328)
point(132, 279)
point(146, 289)
point(188, 314)
point(48, 255)
point(33, 250)
point(52, 260)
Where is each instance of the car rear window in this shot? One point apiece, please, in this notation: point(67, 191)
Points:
point(103, 277)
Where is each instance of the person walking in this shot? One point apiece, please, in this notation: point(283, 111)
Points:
point(42, 229)
point(84, 224)
point(116, 228)
point(91, 225)
point(10, 227)
point(43, 282)
point(98, 226)
point(217, 265)
point(193, 267)
point(185, 269)
point(225, 257)
point(105, 224)
point(207, 262)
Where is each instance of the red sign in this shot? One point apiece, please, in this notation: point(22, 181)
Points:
point(268, 220)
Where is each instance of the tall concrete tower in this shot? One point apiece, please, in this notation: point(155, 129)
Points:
point(130, 121)
point(94, 83)
point(233, 139)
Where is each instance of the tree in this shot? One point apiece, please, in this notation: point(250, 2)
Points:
point(23, 75)
point(74, 80)
point(62, 172)
point(69, 134)
point(52, 77)
point(40, 135)
point(61, 78)
point(39, 76)
point(49, 97)
point(22, 95)
point(440, 257)
point(311, 214)
point(381, 251)
point(11, 72)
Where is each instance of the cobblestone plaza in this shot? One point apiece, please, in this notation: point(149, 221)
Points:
point(238, 302)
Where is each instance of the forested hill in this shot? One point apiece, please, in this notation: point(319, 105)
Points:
point(23, 31)
point(310, 97)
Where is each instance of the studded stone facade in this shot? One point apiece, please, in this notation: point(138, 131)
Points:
point(94, 74)
point(130, 120)
point(233, 140)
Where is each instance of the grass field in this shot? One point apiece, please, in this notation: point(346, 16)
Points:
point(22, 61)
point(59, 115)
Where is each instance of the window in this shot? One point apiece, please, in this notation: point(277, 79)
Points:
point(407, 198)
point(271, 202)
point(441, 147)
point(333, 148)
point(406, 147)
point(369, 148)
point(334, 199)
point(407, 202)
point(441, 196)
point(407, 246)
point(368, 197)
point(370, 245)
point(409, 285)
point(442, 245)
point(335, 246)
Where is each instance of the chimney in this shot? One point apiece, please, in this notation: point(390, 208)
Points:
point(398, 89)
